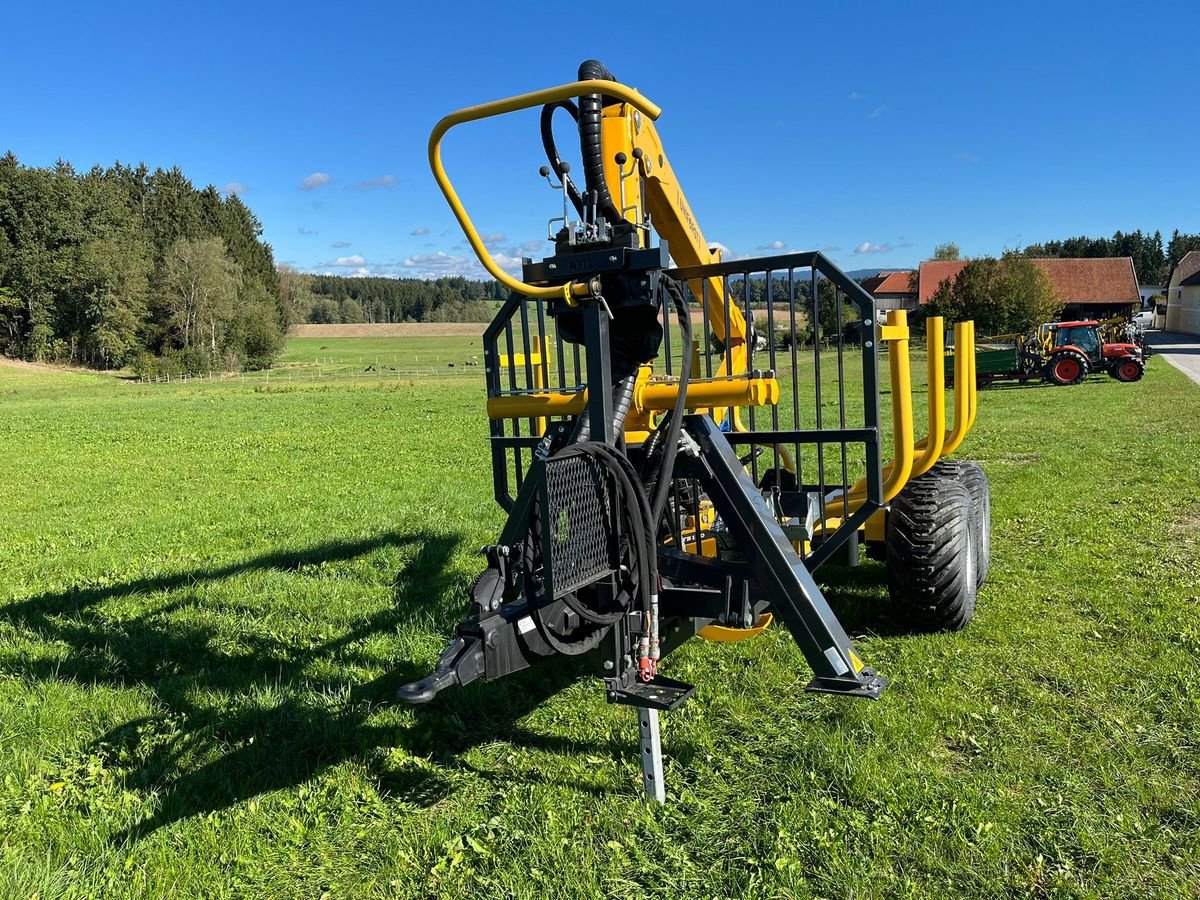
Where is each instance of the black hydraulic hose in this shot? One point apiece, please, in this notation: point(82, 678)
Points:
point(622, 399)
point(551, 148)
point(663, 484)
point(591, 107)
point(622, 396)
point(643, 575)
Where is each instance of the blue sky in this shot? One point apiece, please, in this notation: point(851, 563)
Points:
point(871, 130)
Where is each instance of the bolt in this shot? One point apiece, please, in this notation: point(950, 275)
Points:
point(866, 321)
point(608, 664)
point(868, 345)
point(612, 259)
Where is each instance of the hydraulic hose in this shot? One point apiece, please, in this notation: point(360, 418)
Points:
point(591, 107)
point(663, 480)
point(551, 148)
point(622, 398)
point(643, 569)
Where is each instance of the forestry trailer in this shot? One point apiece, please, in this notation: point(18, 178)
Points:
point(665, 476)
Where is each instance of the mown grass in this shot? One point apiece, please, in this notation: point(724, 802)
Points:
point(209, 592)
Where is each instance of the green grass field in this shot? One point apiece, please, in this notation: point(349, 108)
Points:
point(354, 355)
point(210, 591)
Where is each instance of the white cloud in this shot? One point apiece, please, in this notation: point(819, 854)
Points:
point(966, 157)
point(305, 231)
point(314, 181)
point(877, 112)
point(367, 184)
point(832, 248)
point(855, 95)
point(490, 240)
point(419, 232)
point(868, 247)
point(344, 261)
point(234, 187)
point(442, 264)
point(339, 245)
point(774, 245)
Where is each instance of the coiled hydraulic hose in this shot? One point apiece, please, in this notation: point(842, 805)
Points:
point(591, 107)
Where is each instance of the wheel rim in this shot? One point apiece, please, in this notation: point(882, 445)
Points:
point(1066, 370)
point(1129, 371)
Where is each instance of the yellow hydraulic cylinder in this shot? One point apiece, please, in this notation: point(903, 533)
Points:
point(652, 396)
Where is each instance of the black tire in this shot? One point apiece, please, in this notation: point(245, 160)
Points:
point(1059, 370)
point(974, 479)
point(930, 554)
point(1127, 370)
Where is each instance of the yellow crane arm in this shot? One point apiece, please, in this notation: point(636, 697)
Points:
point(646, 184)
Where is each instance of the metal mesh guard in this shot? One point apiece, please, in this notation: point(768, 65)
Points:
point(580, 537)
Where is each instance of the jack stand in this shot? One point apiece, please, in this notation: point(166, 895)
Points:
point(650, 750)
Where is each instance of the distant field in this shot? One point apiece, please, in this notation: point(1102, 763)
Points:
point(399, 329)
point(347, 355)
point(209, 592)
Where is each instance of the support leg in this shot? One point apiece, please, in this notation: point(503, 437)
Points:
point(650, 750)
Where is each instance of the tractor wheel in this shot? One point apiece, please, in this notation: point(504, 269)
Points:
point(931, 554)
point(1128, 370)
point(975, 480)
point(1068, 367)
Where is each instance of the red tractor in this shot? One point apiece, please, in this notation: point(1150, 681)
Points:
point(1074, 349)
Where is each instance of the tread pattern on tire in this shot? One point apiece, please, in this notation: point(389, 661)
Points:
point(975, 480)
point(930, 554)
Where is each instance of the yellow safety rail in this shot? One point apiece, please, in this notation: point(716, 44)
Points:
point(574, 89)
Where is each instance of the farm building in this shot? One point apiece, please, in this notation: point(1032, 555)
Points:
point(1183, 295)
point(892, 290)
point(1090, 288)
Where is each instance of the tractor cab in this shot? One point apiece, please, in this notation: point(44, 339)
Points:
point(1084, 336)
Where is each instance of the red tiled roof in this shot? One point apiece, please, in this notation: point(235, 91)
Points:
point(889, 283)
point(1101, 280)
point(933, 272)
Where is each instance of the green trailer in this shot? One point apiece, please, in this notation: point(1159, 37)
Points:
point(996, 361)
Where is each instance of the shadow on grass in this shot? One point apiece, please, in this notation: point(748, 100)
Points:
point(224, 735)
point(244, 722)
point(858, 595)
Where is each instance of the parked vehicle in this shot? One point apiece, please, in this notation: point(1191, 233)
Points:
point(1061, 353)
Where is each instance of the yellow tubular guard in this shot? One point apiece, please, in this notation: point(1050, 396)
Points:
point(500, 107)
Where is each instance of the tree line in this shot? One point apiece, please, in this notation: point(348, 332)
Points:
point(332, 299)
point(127, 266)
